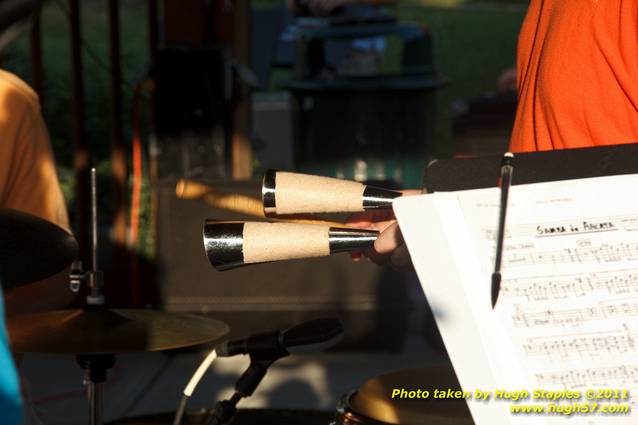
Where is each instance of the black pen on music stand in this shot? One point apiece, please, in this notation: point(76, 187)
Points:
point(507, 169)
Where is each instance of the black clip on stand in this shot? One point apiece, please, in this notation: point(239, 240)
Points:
point(245, 386)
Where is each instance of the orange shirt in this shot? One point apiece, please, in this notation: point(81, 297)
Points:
point(28, 179)
point(577, 75)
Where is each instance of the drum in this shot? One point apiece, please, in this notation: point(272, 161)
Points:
point(373, 403)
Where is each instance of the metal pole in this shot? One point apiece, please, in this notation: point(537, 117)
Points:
point(94, 393)
point(96, 280)
point(93, 220)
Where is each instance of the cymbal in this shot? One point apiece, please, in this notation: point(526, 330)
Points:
point(110, 331)
point(32, 248)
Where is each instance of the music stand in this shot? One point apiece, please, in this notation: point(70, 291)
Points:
point(533, 167)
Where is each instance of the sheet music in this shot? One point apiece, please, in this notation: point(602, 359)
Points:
point(567, 316)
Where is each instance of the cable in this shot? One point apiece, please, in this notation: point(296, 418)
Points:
point(192, 384)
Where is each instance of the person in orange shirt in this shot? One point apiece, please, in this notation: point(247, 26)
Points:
point(577, 75)
point(577, 80)
point(28, 179)
point(29, 183)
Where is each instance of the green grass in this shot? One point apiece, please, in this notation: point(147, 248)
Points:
point(473, 44)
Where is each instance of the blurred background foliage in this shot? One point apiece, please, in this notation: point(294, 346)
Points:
point(474, 42)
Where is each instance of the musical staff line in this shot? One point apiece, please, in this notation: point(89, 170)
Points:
point(559, 287)
point(617, 376)
point(605, 253)
point(591, 344)
point(576, 316)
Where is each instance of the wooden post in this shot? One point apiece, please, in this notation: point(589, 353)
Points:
point(241, 143)
point(118, 154)
point(81, 153)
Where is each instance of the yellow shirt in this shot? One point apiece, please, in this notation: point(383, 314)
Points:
point(28, 179)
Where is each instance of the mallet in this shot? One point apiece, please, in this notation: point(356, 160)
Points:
point(293, 193)
point(231, 244)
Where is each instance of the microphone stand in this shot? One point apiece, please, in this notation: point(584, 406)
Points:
point(245, 386)
point(266, 348)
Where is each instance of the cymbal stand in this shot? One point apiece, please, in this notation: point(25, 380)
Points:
point(94, 365)
point(94, 277)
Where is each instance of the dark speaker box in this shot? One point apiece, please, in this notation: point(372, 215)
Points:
point(192, 105)
point(373, 302)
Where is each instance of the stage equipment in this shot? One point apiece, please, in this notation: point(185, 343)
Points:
point(193, 120)
point(377, 403)
point(96, 333)
point(32, 248)
point(233, 244)
point(110, 331)
point(313, 335)
point(294, 193)
point(265, 349)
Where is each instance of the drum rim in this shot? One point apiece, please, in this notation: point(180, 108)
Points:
point(346, 415)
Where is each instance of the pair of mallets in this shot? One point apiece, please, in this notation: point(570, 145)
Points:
point(285, 195)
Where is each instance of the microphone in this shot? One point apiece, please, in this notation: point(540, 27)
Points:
point(313, 335)
point(266, 348)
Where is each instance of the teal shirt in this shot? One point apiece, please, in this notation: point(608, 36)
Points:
point(10, 399)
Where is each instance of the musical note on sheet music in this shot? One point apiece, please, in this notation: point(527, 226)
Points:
point(567, 315)
point(543, 288)
point(588, 344)
point(574, 316)
point(618, 376)
point(604, 253)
